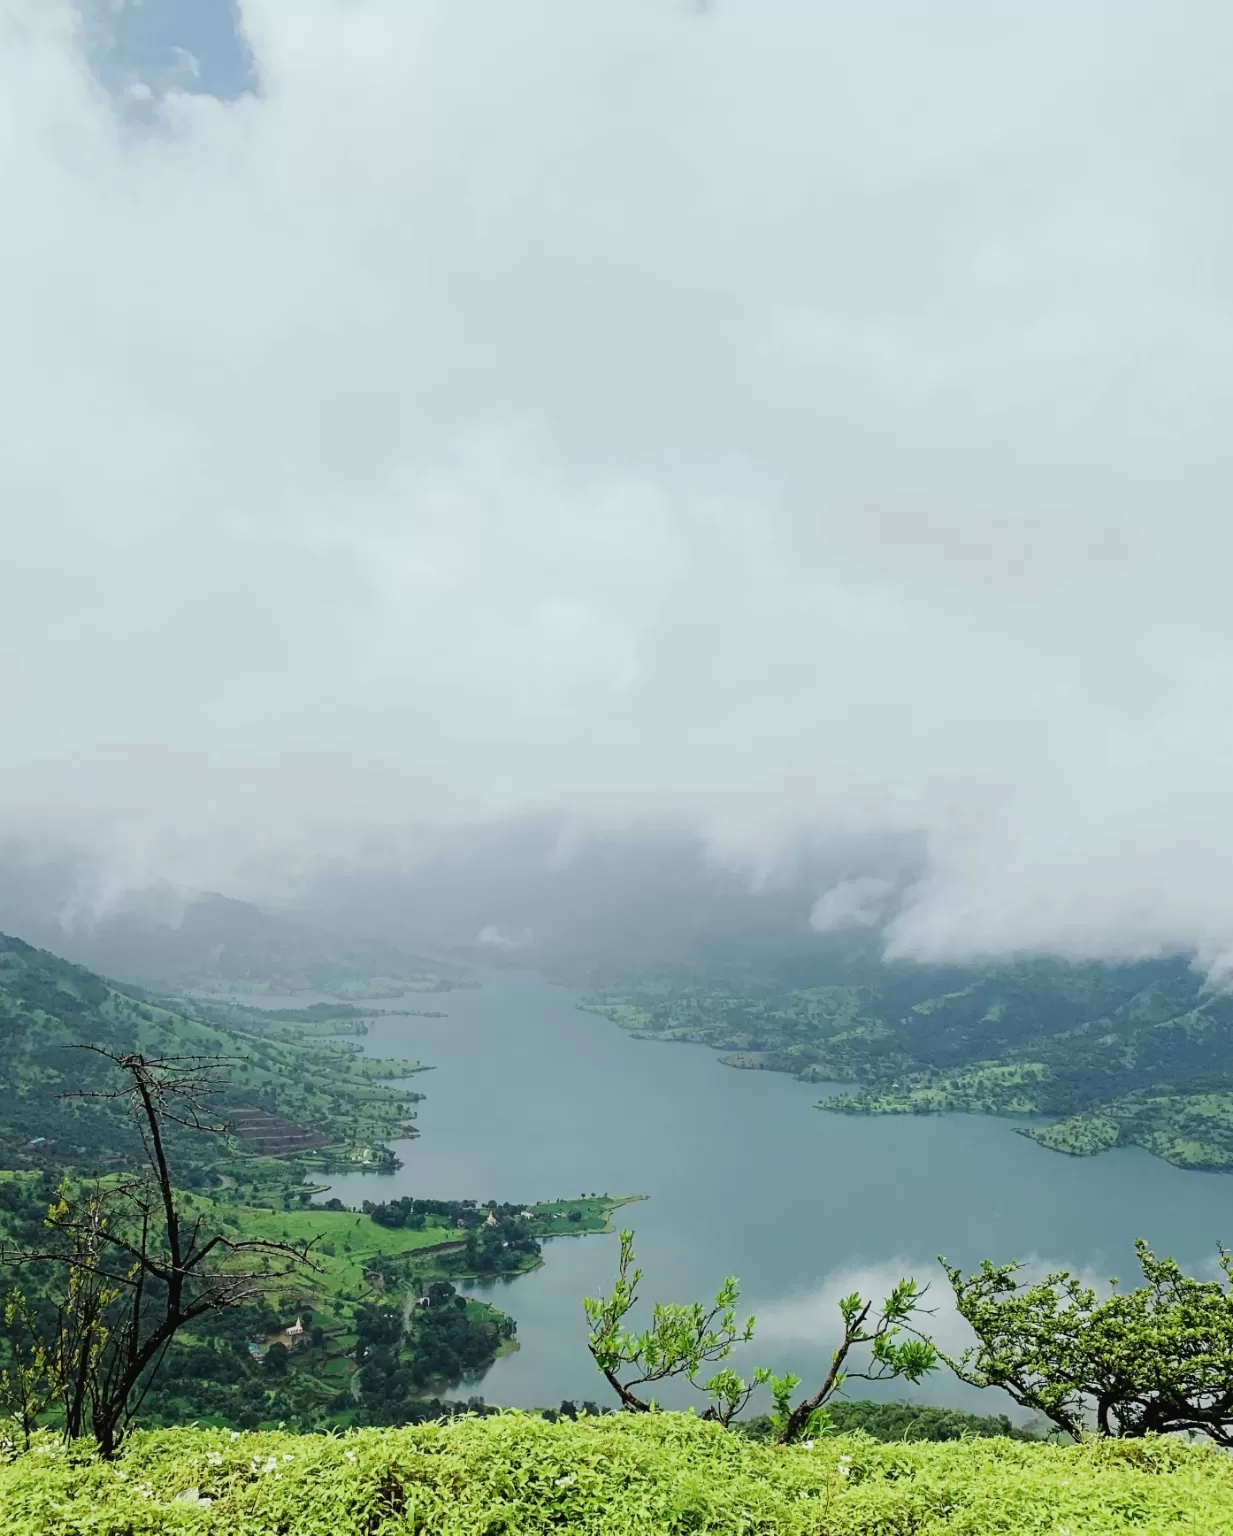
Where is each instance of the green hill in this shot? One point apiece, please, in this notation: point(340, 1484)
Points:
point(1121, 1054)
point(296, 1094)
point(294, 1102)
point(516, 1475)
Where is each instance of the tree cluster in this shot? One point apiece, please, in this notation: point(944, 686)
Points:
point(1154, 1360)
point(440, 1342)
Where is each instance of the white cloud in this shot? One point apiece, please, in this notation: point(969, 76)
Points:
point(859, 903)
point(491, 935)
point(804, 1317)
point(795, 418)
point(186, 63)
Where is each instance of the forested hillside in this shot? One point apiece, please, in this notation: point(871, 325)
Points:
point(279, 1090)
point(1119, 1054)
point(326, 1344)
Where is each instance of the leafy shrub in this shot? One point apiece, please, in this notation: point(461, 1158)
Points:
point(618, 1475)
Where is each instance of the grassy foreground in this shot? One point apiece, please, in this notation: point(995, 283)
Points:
point(514, 1474)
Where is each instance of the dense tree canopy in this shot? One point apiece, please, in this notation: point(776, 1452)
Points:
point(1156, 1359)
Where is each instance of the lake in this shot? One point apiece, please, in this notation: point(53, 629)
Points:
point(532, 1099)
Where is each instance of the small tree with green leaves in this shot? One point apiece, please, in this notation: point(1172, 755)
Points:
point(892, 1356)
point(29, 1381)
point(1155, 1360)
point(684, 1339)
point(681, 1341)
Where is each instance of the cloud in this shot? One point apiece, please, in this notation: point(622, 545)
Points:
point(859, 903)
point(794, 420)
point(802, 1319)
point(491, 935)
point(186, 63)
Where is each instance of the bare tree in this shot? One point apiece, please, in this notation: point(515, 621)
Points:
point(140, 1261)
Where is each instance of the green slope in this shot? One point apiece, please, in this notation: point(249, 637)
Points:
point(49, 1006)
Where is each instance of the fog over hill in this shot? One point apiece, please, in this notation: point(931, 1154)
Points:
point(795, 425)
point(500, 894)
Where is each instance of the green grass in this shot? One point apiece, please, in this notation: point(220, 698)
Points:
point(987, 1087)
point(596, 1215)
point(516, 1475)
point(1079, 1135)
point(1190, 1130)
point(349, 1243)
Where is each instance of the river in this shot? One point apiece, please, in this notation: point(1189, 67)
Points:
point(533, 1099)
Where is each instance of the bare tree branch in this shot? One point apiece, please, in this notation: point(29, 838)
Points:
point(137, 1266)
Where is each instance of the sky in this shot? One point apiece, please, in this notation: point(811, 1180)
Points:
point(793, 420)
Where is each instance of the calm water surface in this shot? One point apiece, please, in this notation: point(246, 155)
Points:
point(532, 1099)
